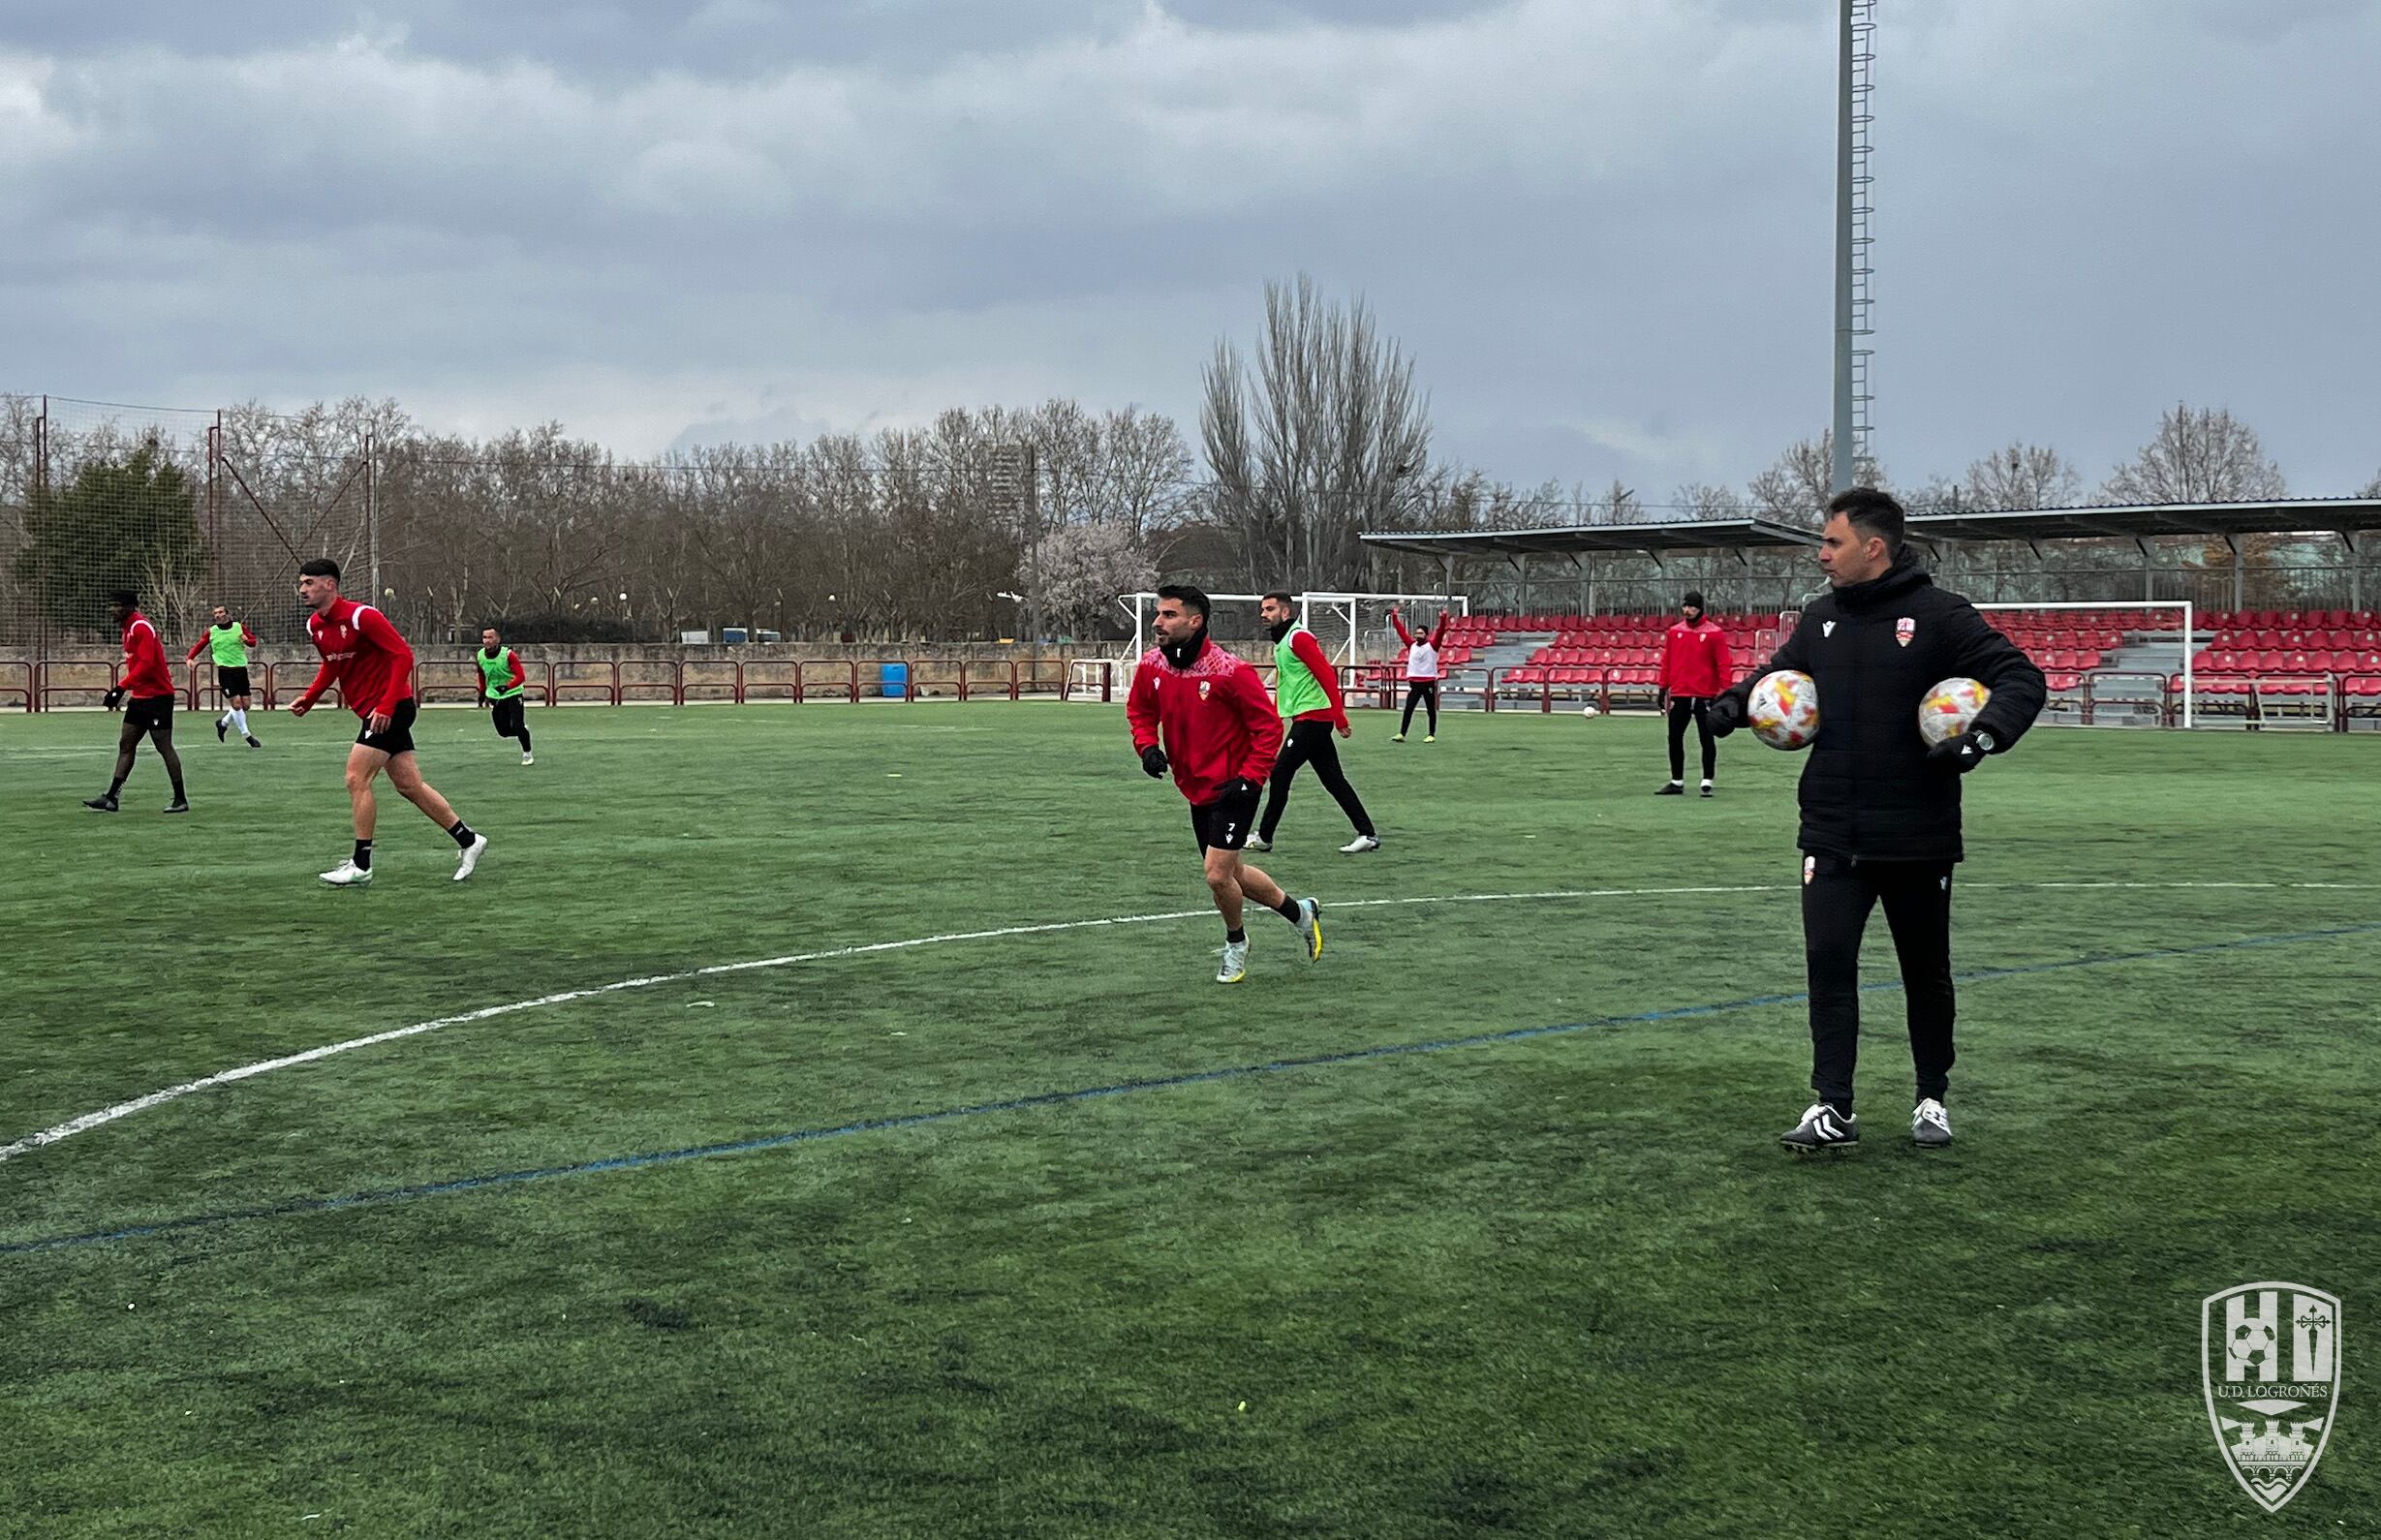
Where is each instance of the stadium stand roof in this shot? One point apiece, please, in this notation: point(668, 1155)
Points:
point(1585, 540)
point(2345, 516)
point(2338, 515)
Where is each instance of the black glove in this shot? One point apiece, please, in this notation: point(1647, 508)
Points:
point(1241, 786)
point(1726, 714)
point(1963, 752)
point(112, 700)
point(1153, 760)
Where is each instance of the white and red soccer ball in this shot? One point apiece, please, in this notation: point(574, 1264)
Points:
point(1949, 709)
point(1784, 710)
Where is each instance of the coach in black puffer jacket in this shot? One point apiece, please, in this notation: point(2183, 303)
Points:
point(1870, 792)
point(1880, 808)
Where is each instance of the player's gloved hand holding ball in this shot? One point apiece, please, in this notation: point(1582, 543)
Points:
point(1725, 715)
point(112, 700)
point(1153, 760)
point(1963, 752)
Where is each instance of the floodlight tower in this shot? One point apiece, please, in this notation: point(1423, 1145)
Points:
point(1855, 45)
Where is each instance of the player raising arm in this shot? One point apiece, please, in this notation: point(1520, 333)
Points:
point(1422, 673)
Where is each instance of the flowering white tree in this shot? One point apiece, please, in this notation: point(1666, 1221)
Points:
point(1077, 571)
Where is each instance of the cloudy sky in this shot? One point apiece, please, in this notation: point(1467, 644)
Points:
point(1602, 226)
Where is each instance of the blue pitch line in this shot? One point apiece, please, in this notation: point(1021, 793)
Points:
point(1056, 1098)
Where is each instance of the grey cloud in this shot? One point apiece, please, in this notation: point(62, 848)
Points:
point(1602, 227)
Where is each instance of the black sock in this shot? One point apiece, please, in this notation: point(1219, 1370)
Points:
point(116, 785)
point(363, 855)
point(1236, 937)
point(523, 736)
point(463, 835)
point(1288, 908)
point(177, 790)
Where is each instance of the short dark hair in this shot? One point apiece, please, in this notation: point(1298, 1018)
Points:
point(1280, 597)
point(321, 566)
point(1186, 596)
point(1873, 513)
point(124, 597)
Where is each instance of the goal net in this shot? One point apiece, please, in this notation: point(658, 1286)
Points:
point(1354, 629)
point(2109, 665)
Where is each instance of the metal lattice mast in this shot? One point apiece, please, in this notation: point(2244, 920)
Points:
point(1853, 455)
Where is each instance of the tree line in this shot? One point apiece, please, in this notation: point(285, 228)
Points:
point(984, 523)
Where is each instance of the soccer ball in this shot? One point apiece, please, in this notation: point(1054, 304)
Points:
point(1949, 708)
point(1784, 710)
point(1588, 711)
point(2252, 1345)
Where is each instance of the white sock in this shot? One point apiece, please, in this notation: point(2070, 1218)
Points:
point(1706, 780)
point(1678, 782)
point(240, 720)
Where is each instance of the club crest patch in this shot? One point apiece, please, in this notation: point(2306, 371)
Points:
point(1826, 628)
point(1206, 688)
point(1904, 631)
point(1810, 868)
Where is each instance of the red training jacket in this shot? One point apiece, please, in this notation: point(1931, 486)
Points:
point(1694, 660)
point(360, 650)
point(1310, 652)
point(1217, 720)
point(145, 676)
point(248, 638)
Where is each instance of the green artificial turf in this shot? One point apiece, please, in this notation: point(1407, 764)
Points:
point(1561, 1283)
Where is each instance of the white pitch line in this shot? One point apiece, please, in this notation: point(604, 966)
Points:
point(158, 1098)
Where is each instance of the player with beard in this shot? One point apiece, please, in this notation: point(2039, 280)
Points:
point(1197, 709)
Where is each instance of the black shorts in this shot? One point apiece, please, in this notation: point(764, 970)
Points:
point(1224, 824)
point(399, 738)
point(144, 713)
point(232, 682)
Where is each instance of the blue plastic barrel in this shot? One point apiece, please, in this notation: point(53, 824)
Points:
point(895, 682)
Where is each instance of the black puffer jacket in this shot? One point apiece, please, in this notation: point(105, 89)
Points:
point(1875, 649)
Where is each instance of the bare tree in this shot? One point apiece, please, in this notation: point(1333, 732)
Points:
point(1699, 500)
point(1323, 440)
point(2198, 455)
point(1801, 480)
point(2023, 476)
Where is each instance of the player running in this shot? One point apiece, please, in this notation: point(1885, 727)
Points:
point(1307, 690)
point(1221, 734)
point(229, 641)
point(1422, 673)
point(146, 696)
point(500, 682)
point(1695, 670)
point(374, 669)
point(1880, 811)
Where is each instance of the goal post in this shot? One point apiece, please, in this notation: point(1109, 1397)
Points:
point(2098, 628)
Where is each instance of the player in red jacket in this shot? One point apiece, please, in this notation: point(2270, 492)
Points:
point(1203, 712)
point(146, 694)
point(374, 669)
point(1695, 671)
